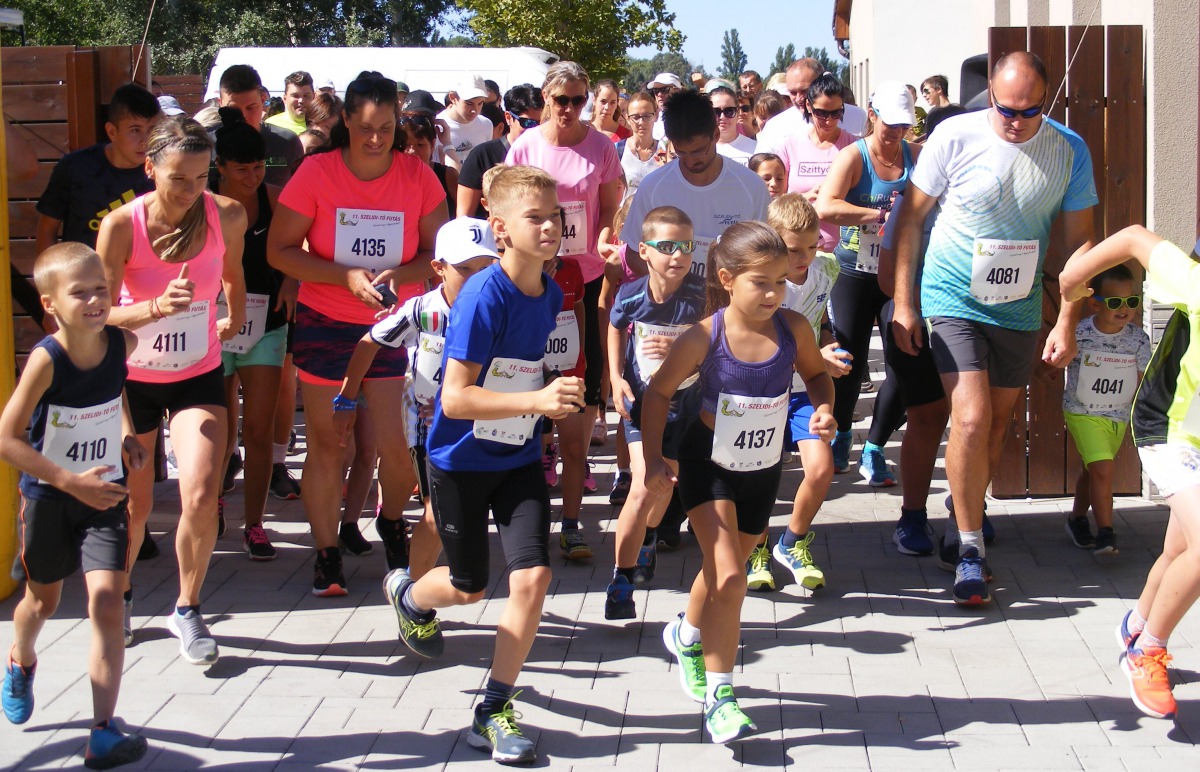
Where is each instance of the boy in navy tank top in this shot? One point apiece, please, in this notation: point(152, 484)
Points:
point(73, 510)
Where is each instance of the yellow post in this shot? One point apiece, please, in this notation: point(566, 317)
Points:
point(9, 495)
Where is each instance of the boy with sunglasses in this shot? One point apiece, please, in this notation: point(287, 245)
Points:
point(1101, 381)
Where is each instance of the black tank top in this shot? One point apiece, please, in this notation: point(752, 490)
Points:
point(261, 278)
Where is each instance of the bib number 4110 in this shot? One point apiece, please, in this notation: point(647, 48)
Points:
point(82, 452)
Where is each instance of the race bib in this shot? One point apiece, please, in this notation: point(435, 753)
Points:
point(173, 342)
point(748, 431)
point(648, 366)
point(510, 376)
point(427, 367)
point(369, 238)
point(79, 438)
point(700, 256)
point(254, 328)
point(869, 243)
point(1107, 381)
point(575, 239)
point(562, 347)
point(1002, 271)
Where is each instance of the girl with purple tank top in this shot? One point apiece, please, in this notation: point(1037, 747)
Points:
point(730, 459)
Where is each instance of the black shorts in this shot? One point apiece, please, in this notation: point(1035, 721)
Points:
point(520, 505)
point(148, 401)
point(322, 348)
point(685, 406)
point(418, 455)
point(59, 536)
point(916, 377)
point(593, 342)
point(965, 345)
point(701, 481)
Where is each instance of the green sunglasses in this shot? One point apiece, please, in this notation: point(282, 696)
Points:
point(668, 246)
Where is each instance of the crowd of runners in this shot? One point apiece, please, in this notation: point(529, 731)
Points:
point(464, 291)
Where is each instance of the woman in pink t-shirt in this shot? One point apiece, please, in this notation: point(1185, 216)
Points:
point(335, 202)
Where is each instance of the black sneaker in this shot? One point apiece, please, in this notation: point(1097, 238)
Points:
point(231, 471)
point(291, 451)
point(500, 734)
point(394, 535)
point(220, 516)
point(947, 554)
point(328, 579)
point(1080, 532)
point(1106, 542)
point(282, 484)
point(258, 545)
point(149, 549)
point(620, 489)
point(424, 638)
point(351, 540)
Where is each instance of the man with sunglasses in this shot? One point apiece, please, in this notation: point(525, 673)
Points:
point(524, 105)
point(1001, 176)
point(934, 90)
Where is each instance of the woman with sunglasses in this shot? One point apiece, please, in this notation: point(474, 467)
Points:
point(730, 143)
point(746, 125)
point(808, 156)
point(606, 111)
point(588, 171)
point(360, 215)
point(857, 195)
point(640, 154)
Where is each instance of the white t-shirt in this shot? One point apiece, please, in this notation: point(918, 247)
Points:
point(635, 168)
point(465, 136)
point(740, 149)
point(791, 121)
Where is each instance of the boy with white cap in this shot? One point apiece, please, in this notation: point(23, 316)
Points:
point(467, 127)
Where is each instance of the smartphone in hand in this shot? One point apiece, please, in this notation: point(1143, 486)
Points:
point(389, 298)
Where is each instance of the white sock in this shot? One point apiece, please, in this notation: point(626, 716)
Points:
point(714, 680)
point(1137, 623)
point(1148, 640)
point(968, 539)
point(278, 452)
point(688, 634)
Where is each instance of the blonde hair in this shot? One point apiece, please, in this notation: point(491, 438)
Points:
point(664, 215)
point(562, 73)
point(620, 217)
point(486, 184)
point(59, 262)
point(792, 212)
point(743, 247)
point(180, 134)
point(512, 183)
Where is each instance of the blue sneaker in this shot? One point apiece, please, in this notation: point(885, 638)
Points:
point(109, 747)
point(841, 452)
point(874, 469)
point(970, 582)
point(618, 601)
point(913, 535)
point(1125, 638)
point(18, 692)
point(647, 561)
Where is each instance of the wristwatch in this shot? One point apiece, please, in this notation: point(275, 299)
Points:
point(341, 403)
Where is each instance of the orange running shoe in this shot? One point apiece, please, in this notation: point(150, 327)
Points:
point(1149, 682)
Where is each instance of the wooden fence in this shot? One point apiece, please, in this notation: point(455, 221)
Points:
point(188, 89)
point(1103, 101)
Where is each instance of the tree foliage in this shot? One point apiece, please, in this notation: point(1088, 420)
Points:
point(638, 72)
point(839, 67)
point(733, 58)
point(784, 56)
point(594, 33)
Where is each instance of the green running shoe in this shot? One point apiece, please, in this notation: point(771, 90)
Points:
point(725, 720)
point(690, 660)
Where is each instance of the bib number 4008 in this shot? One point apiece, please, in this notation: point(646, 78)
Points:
point(81, 452)
point(369, 247)
point(169, 342)
point(755, 438)
point(1003, 275)
point(1108, 386)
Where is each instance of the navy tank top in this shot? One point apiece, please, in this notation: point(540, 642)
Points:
point(721, 371)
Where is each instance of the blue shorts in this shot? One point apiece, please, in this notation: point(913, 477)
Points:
point(268, 352)
point(800, 413)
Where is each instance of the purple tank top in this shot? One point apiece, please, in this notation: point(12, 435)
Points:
point(721, 371)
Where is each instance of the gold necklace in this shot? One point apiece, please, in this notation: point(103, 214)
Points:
point(889, 164)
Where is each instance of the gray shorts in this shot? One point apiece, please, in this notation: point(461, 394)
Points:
point(60, 536)
point(965, 345)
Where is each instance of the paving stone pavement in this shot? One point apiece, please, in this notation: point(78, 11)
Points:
point(878, 671)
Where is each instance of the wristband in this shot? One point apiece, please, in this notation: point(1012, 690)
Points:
point(882, 216)
point(155, 311)
point(341, 404)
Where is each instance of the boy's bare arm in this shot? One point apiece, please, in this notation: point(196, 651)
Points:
point(1134, 242)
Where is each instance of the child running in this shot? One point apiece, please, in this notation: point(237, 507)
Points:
point(1101, 381)
point(811, 275)
point(730, 459)
point(74, 500)
point(463, 248)
point(648, 315)
point(1166, 431)
point(484, 450)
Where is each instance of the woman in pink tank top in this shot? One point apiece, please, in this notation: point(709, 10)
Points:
point(171, 253)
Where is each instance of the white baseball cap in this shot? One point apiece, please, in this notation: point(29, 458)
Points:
point(665, 79)
point(893, 103)
point(170, 105)
point(464, 239)
point(328, 84)
point(471, 87)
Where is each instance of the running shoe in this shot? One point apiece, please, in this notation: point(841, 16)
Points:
point(947, 554)
point(292, 438)
point(1106, 542)
point(18, 692)
point(970, 584)
point(989, 530)
point(647, 562)
point(599, 433)
point(394, 535)
point(758, 570)
point(501, 736)
point(620, 489)
point(913, 534)
point(220, 516)
point(1080, 532)
point(573, 545)
point(689, 659)
point(109, 747)
point(351, 540)
point(1125, 638)
point(874, 469)
point(841, 452)
point(258, 544)
point(149, 549)
point(589, 482)
point(196, 644)
point(128, 622)
point(550, 465)
point(231, 472)
point(422, 636)
point(798, 559)
point(618, 600)
point(725, 720)
point(328, 579)
point(283, 486)
point(1149, 681)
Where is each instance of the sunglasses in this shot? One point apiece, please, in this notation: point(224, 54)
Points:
point(526, 123)
point(745, 108)
point(669, 246)
point(1008, 112)
point(725, 112)
point(1113, 304)
point(661, 91)
point(562, 100)
point(927, 91)
point(827, 114)
point(415, 120)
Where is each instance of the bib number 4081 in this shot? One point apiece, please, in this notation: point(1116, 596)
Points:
point(81, 452)
point(1001, 276)
point(369, 247)
point(755, 438)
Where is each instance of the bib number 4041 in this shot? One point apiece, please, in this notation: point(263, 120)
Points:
point(169, 342)
point(755, 438)
point(1108, 386)
point(1002, 276)
point(82, 452)
point(369, 247)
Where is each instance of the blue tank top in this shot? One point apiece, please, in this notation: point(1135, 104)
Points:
point(869, 191)
point(71, 387)
point(721, 371)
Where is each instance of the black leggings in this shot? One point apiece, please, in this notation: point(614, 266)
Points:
point(593, 342)
point(855, 305)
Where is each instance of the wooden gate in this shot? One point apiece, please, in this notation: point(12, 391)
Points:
point(1103, 101)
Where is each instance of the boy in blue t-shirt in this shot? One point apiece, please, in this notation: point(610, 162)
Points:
point(73, 509)
point(484, 450)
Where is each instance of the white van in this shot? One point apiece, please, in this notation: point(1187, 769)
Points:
point(437, 70)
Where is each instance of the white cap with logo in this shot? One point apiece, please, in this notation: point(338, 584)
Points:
point(464, 239)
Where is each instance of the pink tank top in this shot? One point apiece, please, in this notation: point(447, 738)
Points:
point(181, 346)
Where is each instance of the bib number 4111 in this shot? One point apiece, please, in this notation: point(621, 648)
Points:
point(169, 342)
